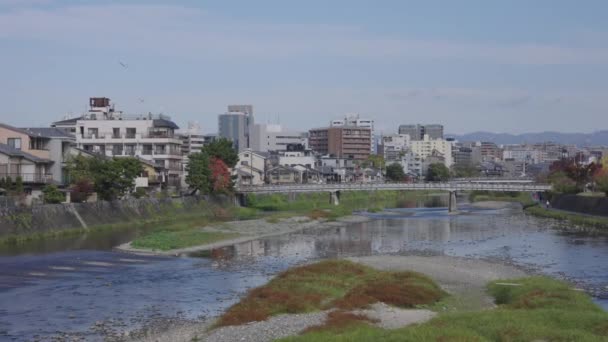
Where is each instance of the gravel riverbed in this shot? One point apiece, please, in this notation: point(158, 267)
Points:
point(464, 278)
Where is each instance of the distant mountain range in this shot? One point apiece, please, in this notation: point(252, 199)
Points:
point(579, 139)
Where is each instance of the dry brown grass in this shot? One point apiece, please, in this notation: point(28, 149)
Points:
point(316, 214)
point(338, 321)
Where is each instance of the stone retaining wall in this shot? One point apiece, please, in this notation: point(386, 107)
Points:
point(52, 217)
point(581, 204)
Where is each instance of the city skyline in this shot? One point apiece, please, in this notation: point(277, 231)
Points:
point(469, 66)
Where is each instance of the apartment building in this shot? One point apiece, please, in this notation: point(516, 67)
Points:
point(428, 147)
point(356, 121)
point(489, 151)
point(37, 155)
point(395, 146)
point(343, 141)
point(111, 133)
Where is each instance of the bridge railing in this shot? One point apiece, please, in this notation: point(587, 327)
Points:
point(445, 186)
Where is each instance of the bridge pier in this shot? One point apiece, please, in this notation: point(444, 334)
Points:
point(334, 197)
point(452, 207)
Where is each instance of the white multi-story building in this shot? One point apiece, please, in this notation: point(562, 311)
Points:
point(395, 146)
point(356, 121)
point(192, 139)
point(112, 133)
point(293, 158)
point(524, 154)
point(426, 148)
point(266, 138)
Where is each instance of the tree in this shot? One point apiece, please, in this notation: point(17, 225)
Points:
point(220, 176)
point(601, 180)
point(437, 172)
point(579, 173)
point(394, 172)
point(115, 178)
point(465, 170)
point(80, 167)
point(18, 188)
point(199, 174)
point(375, 161)
point(81, 190)
point(562, 183)
point(52, 194)
point(223, 149)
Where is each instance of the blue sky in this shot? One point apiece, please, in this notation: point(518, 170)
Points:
point(502, 66)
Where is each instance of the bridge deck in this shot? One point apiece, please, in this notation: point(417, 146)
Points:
point(451, 186)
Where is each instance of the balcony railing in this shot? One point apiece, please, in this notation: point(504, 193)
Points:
point(29, 177)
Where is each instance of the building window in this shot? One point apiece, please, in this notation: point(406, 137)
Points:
point(130, 150)
point(161, 149)
point(116, 133)
point(117, 150)
point(131, 133)
point(14, 143)
point(93, 133)
point(147, 150)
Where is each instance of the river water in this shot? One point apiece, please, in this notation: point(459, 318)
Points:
point(91, 290)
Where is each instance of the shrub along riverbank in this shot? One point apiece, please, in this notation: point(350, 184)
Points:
point(332, 284)
point(537, 209)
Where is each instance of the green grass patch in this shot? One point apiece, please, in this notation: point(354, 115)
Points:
point(168, 240)
point(331, 284)
point(538, 308)
point(582, 220)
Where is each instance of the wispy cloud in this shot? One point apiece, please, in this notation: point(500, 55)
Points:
point(183, 31)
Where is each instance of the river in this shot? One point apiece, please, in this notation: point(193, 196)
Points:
point(85, 289)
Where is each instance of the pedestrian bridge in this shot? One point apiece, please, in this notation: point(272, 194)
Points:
point(334, 189)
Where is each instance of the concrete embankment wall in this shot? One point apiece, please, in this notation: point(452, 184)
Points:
point(53, 217)
point(581, 204)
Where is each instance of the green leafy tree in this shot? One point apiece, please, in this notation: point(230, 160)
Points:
point(601, 180)
point(437, 172)
point(375, 161)
point(18, 188)
point(52, 194)
point(564, 184)
point(394, 172)
point(9, 184)
point(465, 170)
point(81, 167)
point(199, 173)
point(115, 178)
point(223, 149)
point(139, 193)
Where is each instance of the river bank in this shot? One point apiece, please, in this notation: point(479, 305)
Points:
point(238, 232)
point(583, 221)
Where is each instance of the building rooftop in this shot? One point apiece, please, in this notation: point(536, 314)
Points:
point(13, 152)
point(48, 132)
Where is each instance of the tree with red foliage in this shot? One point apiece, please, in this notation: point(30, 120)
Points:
point(580, 174)
point(220, 176)
point(601, 180)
